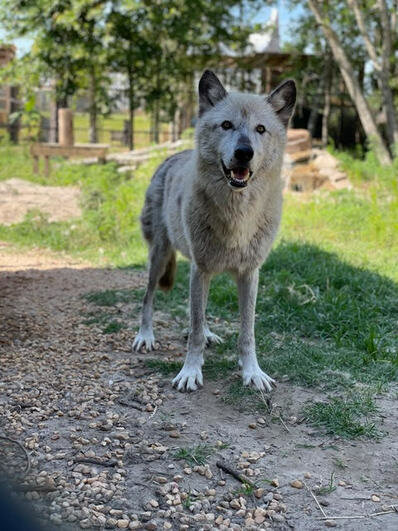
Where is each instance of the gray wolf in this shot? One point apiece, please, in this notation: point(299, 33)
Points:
point(220, 205)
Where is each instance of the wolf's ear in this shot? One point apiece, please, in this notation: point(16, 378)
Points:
point(283, 99)
point(211, 91)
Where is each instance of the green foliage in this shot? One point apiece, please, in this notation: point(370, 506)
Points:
point(344, 416)
point(195, 455)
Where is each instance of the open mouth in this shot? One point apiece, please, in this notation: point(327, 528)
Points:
point(238, 177)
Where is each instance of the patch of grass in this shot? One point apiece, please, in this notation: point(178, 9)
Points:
point(246, 490)
point(164, 367)
point(213, 367)
point(113, 327)
point(244, 398)
point(105, 320)
point(347, 417)
point(328, 489)
point(195, 455)
point(111, 297)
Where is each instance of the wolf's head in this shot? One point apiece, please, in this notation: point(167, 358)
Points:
point(242, 135)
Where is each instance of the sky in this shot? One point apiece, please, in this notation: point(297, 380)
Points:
point(286, 17)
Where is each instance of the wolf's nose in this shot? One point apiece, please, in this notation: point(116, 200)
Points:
point(244, 153)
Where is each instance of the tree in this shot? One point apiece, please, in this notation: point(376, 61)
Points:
point(354, 88)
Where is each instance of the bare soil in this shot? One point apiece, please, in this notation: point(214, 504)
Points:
point(18, 197)
point(69, 391)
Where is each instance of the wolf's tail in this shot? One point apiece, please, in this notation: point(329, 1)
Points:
point(166, 281)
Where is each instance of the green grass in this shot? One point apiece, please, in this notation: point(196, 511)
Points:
point(195, 455)
point(349, 417)
point(327, 305)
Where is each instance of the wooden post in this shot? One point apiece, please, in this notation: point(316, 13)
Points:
point(46, 165)
point(35, 164)
point(65, 120)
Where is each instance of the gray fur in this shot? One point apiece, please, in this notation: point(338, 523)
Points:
point(193, 206)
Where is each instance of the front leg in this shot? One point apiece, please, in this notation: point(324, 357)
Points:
point(251, 372)
point(190, 376)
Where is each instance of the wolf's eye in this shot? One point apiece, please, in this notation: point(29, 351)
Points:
point(260, 129)
point(226, 125)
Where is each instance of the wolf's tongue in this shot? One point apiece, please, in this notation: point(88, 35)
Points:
point(240, 173)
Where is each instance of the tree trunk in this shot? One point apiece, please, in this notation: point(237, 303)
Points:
point(382, 65)
point(327, 85)
point(353, 87)
point(93, 107)
point(131, 108)
point(312, 120)
point(385, 74)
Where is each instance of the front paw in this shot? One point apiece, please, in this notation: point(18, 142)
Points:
point(188, 379)
point(254, 376)
point(144, 338)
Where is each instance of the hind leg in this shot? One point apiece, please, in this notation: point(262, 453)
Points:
point(160, 254)
point(210, 337)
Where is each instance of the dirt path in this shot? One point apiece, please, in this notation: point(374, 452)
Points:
point(68, 391)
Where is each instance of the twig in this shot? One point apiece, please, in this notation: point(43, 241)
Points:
point(340, 517)
point(94, 461)
point(283, 423)
point(394, 509)
point(235, 474)
point(27, 469)
point(356, 498)
point(315, 498)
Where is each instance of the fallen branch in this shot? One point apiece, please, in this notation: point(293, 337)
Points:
point(235, 474)
point(94, 461)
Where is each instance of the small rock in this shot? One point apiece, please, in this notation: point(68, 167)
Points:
point(151, 525)
point(122, 523)
point(375, 498)
point(234, 504)
point(342, 483)
point(330, 523)
point(259, 493)
point(221, 482)
point(174, 434)
point(153, 503)
point(297, 484)
point(252, 425)
point(275, 482)
point(307, 475)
